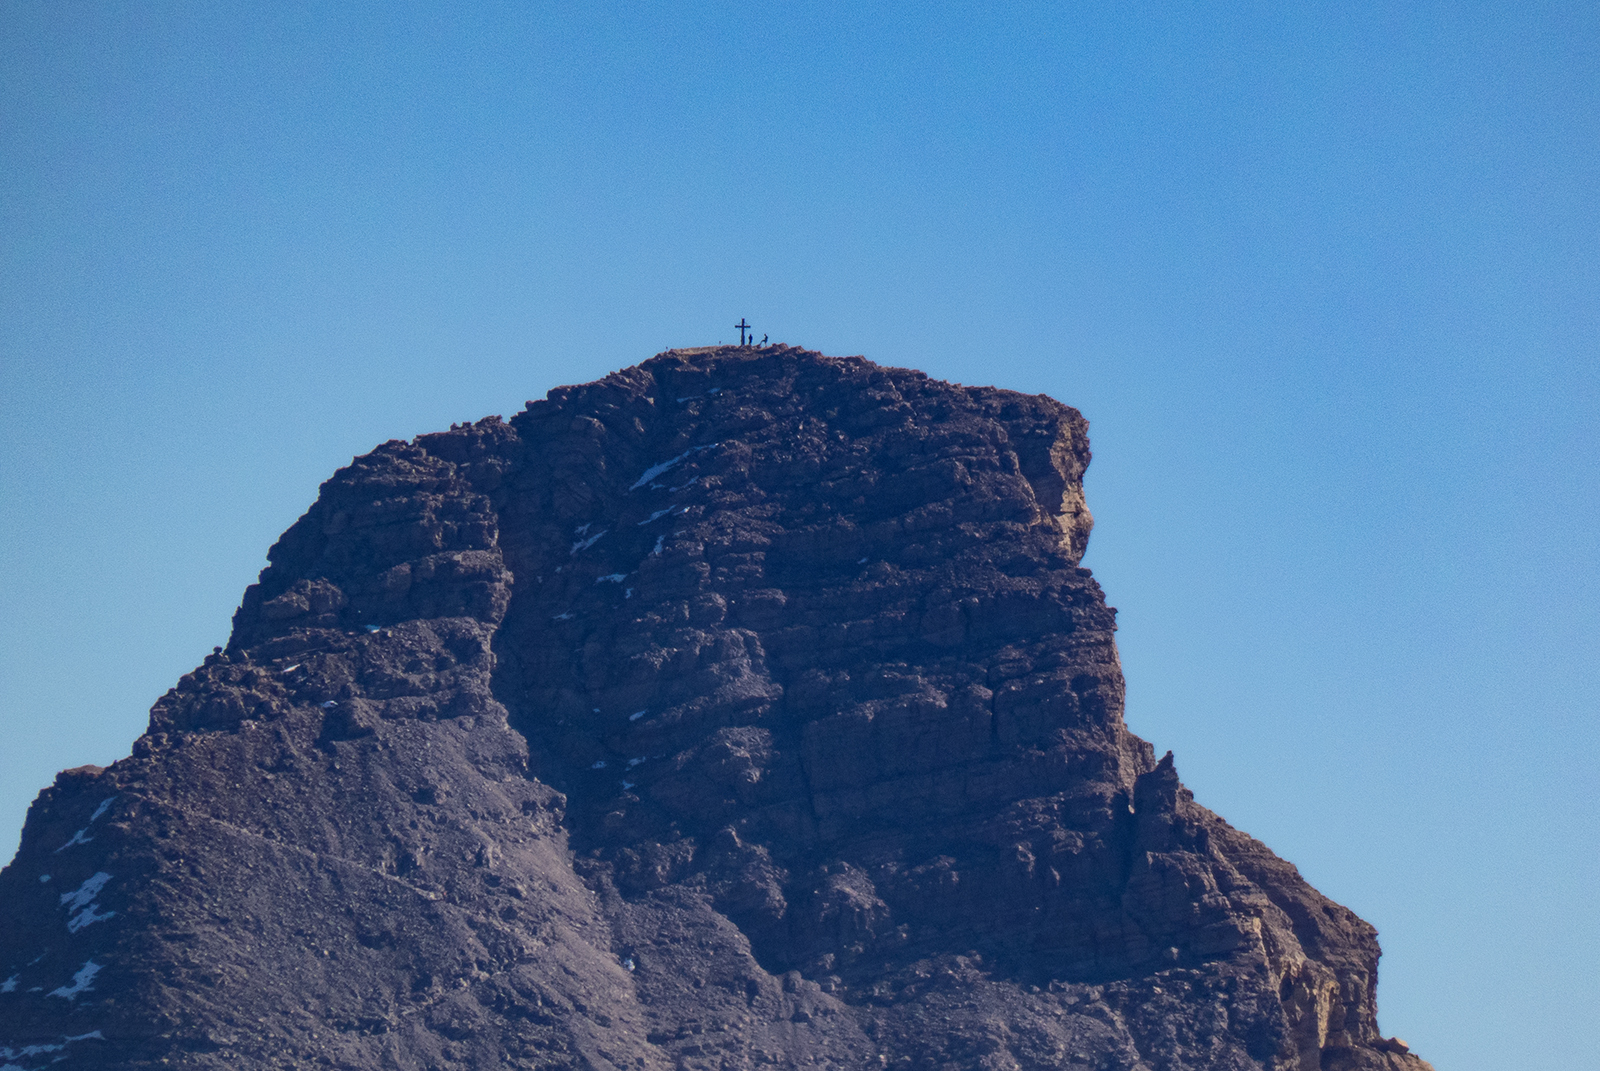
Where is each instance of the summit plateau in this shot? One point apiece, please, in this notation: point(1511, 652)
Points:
point(746, 708)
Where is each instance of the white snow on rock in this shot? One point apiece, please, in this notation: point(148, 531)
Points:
point(26, 1050)
point(657, 515)
point(86, 917)
point(8, 1053)
point(86, 892)
point(656, 470)
point(585, 544)
point(79, 837)
point(636, 715)
point(80, 982)
point(10, 984)
point(80, 903)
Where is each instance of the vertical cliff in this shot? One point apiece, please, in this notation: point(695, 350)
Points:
point(747, 707)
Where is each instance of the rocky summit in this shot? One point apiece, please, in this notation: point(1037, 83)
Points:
point(746, 708)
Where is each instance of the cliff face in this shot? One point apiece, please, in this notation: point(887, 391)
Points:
point(747, 707)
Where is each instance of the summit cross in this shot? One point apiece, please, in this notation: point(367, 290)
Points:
point(743, 327)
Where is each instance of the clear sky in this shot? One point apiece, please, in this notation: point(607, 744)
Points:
point(1323, 277)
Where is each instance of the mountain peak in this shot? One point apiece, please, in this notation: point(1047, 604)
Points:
point(747, 706)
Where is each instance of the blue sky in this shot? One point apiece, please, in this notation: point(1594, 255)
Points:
point(1322, 277)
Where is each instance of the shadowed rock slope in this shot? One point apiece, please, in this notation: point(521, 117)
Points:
point(745, 708)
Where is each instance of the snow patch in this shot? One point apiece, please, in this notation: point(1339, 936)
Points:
point(656, 470)
point(77, 838)
point(657, 515)
point(85, 892)
point(565, 616)
point(585, 544)
point(615, 578)
point(10, 984)
point(80, 903)
point(634, 762)
point(27, 1050)
point(7, 1052)
point(599, 765)
point(659, 541)
point(636, 715)
point(86, 917)
point(81, 982)
point(43, 878)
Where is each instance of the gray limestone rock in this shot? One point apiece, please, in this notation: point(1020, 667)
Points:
point(746, 708)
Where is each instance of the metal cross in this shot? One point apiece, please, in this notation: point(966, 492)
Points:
point(743, 327)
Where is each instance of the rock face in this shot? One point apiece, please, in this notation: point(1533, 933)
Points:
point(747, 707)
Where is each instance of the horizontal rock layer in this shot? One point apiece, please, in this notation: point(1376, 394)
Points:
point(748, 707)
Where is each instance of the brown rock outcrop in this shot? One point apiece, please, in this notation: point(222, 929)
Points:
point(748, 707)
